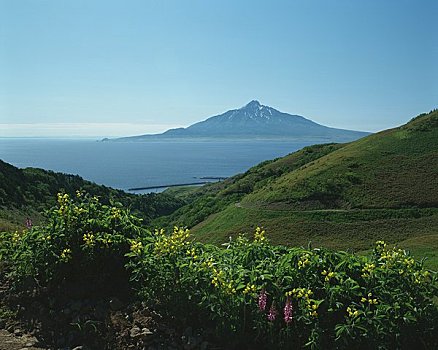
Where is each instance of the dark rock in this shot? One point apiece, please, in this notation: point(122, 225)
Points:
point(76, 305)
point(115, 304)
point(188, 331)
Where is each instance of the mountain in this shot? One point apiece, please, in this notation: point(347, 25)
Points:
point(255, 121)
point(382, 186)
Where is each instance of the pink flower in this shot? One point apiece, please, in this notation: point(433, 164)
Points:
point(262, 300)
point(272, 313)
point(288, 311)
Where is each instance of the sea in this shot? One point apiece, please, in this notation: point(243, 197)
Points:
point(125, 165)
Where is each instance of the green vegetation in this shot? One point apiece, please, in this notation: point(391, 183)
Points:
point(212, 198)
point(342, 196)
point(27, 192)
point(249, 292)
point(392, 169)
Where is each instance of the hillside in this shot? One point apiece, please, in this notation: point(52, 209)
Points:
point(28, 192)
point(343, 196)
point(255, 121)
point(395, 168)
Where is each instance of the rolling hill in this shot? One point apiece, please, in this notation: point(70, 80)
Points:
point(255, 121)
point(30, 191)
point(383, 186)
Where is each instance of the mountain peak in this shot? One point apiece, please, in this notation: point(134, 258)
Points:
point(253, 104)
point(255, 120)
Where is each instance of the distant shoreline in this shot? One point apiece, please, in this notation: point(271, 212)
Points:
point(165, 186)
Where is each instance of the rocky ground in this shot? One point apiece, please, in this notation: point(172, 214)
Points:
point(82, 325)
point(18, 341)
point(37, 318)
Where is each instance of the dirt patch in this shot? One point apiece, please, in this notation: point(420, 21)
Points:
point(17, 341)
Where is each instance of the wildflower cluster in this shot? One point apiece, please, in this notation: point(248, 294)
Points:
point(368, 269)
point(63, 202)
point(262, 300)
point(352, 312)
point(65, 255)
point(369, 299)
point(89, 240)
point(136, 247)
point(16, 237)
point(304, 295)
point(75, 232)
point(116, 213)
point(288, 311)
point(192, 253)
point(259, 235)
point(219, 280)
point(328, 275)
point(173, 243)
point(272, 314)
point(249, 288)
point(208, 263)
point(304, 261)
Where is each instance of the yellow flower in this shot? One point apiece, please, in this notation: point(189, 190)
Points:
point(136, 247)
point(116, 213)
point(303, 261)
point(259, 235)
point(15, 237)
point(172, 243)
point(65, 255)
point(352, 312)
point(88, 239)
point(249, 288)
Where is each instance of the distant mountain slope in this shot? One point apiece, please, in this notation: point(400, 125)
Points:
point(396, 168)
point(255, 121)
point(26, 192)
point(346, 196)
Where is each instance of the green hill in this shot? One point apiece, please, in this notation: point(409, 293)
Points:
point(28, 192)
point(347, 196)
point(395, 168)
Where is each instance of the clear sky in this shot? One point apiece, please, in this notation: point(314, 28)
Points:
point(126, 67)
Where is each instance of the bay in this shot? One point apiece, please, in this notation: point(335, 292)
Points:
point(142, 164)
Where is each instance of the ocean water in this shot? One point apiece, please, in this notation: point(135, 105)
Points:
point(128, 165)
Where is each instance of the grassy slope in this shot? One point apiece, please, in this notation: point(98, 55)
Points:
point(380, 187)
point(213, 198)
point(391, 169)
point(27, 192)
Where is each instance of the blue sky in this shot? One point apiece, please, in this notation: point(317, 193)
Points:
point(84, 67)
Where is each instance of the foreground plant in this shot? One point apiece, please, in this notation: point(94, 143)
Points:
point(249, 290)
point(327, 299)
point(83, 241)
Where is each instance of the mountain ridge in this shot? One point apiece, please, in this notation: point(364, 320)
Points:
point(254, 121)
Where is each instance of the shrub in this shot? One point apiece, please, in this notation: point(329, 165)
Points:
point(83, 244)
point(293, 297)
point(251, 291)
